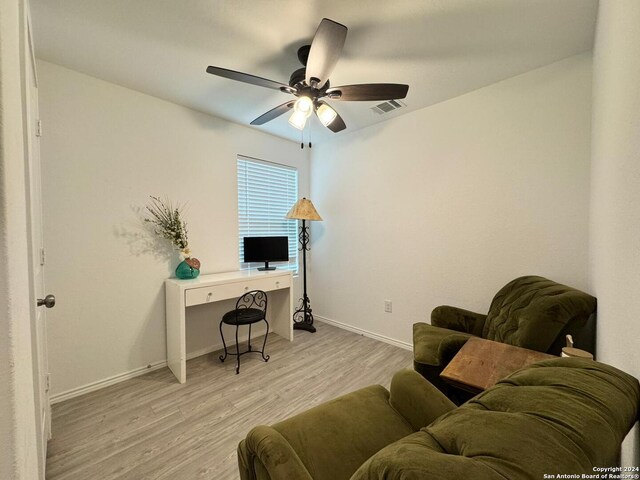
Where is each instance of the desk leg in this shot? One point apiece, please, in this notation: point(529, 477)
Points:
point(290, 313)
point(176, 340)
point(281, 306)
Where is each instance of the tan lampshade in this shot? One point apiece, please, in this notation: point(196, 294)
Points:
point(304, 210)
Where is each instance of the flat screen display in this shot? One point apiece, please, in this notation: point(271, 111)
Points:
point(266, 249)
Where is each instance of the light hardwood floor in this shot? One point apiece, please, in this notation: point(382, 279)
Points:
point(152, 427)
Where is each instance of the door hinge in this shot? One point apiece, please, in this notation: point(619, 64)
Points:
point(39, 128)
point(42, 256)
point(47, 382)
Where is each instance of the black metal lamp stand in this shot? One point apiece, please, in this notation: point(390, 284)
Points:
point(304, 210)
point(302, 317)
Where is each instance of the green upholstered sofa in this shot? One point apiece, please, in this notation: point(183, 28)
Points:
point(530, 312)
point(564, 415)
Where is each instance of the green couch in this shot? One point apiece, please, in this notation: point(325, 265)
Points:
point(564, 415)
point(530, 312)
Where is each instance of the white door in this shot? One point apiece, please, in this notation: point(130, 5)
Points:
point(40, 301)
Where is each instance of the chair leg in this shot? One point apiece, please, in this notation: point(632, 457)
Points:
point(223, 358)
point(237, 350)
point(264, 344)
point(249, 341)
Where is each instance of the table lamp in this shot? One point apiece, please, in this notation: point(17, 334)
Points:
point(304, 210)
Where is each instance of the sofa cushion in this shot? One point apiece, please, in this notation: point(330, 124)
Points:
point(419, 457)
point(532, 311)
point(563, 415)
point(360, 423)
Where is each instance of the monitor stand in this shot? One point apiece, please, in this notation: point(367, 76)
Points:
point(266, 267)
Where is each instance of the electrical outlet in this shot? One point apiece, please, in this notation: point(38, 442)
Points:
point(387, 306)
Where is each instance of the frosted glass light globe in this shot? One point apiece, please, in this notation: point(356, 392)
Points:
point(298, 119)
point(326, 114)
point(304, 105)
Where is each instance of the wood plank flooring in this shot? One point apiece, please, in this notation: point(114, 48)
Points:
point(153, 428)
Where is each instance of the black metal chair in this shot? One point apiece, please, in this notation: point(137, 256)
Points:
point(250, 308)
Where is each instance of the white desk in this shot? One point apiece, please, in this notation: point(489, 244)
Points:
point(181, 294)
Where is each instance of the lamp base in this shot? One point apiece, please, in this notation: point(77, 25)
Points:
point(302, 317)
point(304, 326)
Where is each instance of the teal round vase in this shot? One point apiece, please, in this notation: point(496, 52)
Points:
point(188, 268)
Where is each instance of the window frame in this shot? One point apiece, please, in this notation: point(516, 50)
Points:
point(291, 231)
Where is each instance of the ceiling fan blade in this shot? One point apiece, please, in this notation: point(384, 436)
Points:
point(246, 78)
point(368, 92)
point(273, 113)
point(326, 48)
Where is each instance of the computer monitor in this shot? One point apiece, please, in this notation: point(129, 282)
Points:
point(266, 249)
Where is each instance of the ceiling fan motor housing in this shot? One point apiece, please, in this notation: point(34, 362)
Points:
point(297, 81)
point(303, 54)
point(297, 78)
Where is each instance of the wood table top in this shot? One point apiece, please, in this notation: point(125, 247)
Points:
point(481, 363)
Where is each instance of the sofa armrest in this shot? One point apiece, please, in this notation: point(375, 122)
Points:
point(417, 400)
point(275, 454)
point(458, 319)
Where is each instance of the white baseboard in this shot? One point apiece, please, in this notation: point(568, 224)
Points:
point(121, 377)
point(105, 382)
point(366, 333)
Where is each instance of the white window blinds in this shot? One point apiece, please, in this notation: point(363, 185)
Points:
point(266, 192)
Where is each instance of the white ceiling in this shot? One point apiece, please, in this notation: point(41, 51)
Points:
point(441, 48)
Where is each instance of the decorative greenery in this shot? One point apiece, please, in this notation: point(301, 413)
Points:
point(168, 223)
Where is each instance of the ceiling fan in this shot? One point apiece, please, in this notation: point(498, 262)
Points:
point(311, 83)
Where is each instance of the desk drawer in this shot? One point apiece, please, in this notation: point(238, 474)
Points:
point(215, 293)
point(276, 283)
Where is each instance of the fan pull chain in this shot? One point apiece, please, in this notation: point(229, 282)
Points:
point(302, 138)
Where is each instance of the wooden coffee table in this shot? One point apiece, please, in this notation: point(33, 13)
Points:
point(481, 363)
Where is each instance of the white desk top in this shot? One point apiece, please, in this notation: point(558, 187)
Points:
point(226, 277)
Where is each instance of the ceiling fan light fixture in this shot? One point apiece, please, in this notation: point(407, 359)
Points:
point(310, 84)
point(298, 119)
point(326, 114)
point(304, 105)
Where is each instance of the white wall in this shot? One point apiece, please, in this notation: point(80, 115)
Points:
point(105, 149)
point(18, 447)
point(615, 190)
point(446, 204)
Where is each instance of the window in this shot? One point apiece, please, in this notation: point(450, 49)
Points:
point(266, 192)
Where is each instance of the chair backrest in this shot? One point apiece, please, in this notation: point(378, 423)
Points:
point(256, 299)
point(533, 312)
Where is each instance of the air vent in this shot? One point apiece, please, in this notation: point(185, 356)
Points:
point(389, 106)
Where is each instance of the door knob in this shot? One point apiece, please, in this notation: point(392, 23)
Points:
point(49, 301)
